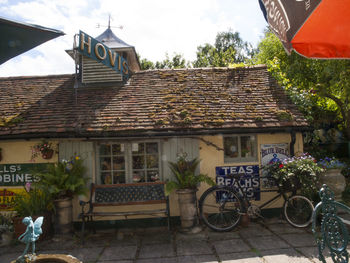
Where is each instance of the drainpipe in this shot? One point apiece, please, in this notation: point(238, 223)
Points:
point(292, 142)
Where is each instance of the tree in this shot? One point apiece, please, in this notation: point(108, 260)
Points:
point(177, 61)
point(320, 87)
point(228, 49)
point(146, 64)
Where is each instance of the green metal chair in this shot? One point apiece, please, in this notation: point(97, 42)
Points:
point(332, 233)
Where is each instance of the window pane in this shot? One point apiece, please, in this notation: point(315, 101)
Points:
point(118, 163)
point(231, 147)
point(138, 162)
point(105, 163)
point(138, 176)
point(105, 149)
point(247, 146)
point(152, 161)
point(106, 178)
point(137, 148)
point(151, 147)
point(152, 176)
point(119, 177)
point(118, 149)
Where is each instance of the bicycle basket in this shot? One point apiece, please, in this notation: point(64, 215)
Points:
point(290, 185)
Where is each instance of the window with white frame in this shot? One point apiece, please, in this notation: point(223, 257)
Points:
point(128, 162)
point(112, 163)
point(145, 162)
point(240, 148)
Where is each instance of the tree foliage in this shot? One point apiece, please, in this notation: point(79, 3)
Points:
point(146, 64)
point(176, 61)
point(320, 87)
point(229, 49)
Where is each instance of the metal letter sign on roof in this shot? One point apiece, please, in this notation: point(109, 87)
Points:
point(92, 48)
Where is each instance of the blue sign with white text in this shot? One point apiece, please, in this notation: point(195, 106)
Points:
point(249, 182)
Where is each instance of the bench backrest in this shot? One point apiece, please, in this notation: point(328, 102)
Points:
point(126, 194)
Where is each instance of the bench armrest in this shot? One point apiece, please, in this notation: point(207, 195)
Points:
point(83, 204)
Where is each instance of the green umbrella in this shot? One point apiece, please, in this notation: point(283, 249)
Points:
point(17, 38)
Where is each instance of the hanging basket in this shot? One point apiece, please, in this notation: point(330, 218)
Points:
point(47, 154)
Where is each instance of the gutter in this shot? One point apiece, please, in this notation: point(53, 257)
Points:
point(157, 133)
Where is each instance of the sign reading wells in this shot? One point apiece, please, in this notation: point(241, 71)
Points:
point(94, 49)
point(19, 174)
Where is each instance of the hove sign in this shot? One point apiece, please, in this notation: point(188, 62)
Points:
point(94, 49)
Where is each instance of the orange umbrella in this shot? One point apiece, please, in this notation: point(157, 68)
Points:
point(313, 28)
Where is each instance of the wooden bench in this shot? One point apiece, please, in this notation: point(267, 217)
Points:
point(332, 233)
point(125, 195)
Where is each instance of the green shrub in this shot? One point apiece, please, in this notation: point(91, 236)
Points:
point(64, 179)
point(185, 175)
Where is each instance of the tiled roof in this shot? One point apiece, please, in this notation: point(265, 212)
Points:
point(154, 101)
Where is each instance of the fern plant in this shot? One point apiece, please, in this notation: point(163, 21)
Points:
point(185, 175)
point(65, 179)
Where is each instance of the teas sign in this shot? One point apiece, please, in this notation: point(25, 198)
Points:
point(250, 181)
point(19, 174)
point(7, 198)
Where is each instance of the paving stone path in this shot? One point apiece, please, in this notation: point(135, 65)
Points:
point(269, 241)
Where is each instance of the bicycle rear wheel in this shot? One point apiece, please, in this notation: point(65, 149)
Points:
point(220, 208)
point(298, 211)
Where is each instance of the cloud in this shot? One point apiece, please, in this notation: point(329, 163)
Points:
point(154, 27)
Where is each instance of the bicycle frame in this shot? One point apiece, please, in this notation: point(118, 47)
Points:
point(221, 207)
point(246, 200)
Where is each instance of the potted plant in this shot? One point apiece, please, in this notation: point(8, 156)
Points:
point(44, 148)
point(64, 180)
point(332, 175)
point(186, 183)
point(35, 201)
point(296, 173)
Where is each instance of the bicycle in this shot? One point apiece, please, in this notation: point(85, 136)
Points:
point(221, 207)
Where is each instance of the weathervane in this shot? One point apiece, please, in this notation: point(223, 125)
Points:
point(109, 24)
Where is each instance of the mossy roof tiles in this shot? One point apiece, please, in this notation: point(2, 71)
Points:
point(153, 101)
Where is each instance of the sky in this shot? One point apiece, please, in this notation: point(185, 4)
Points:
point(153, 27)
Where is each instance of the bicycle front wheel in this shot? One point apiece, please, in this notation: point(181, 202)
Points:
point(220, 208)
point(298, 211)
